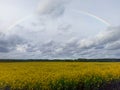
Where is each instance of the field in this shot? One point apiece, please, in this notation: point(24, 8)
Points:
point(59, 76)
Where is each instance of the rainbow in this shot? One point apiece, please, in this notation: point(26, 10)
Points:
point(78, 11)
point(93, 16)
point(19, 21)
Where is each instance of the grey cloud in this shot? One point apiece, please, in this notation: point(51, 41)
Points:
point(111, 35)
point(49, 47)
point(52, 44)
point(64, 28)
point(113, 46)
point(103, 45)
point(4, 49)
point(8, 42)
point(54, 8)
point(20, 27)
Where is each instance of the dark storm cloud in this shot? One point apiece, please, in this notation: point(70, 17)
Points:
point(4, 50)
point(9, 42)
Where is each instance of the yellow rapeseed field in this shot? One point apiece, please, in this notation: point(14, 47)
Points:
point(59, 75)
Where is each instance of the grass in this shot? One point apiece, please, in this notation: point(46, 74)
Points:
point(59, 76)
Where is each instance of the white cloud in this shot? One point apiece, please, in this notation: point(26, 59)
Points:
point(21, 48)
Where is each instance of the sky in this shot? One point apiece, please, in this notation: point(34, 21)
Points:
point(51, 29)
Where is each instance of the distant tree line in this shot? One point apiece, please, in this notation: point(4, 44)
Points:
point(61, 60)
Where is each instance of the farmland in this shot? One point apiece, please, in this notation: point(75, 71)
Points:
point(59, 75)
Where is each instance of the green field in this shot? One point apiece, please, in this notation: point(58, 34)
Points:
point(59, 76)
